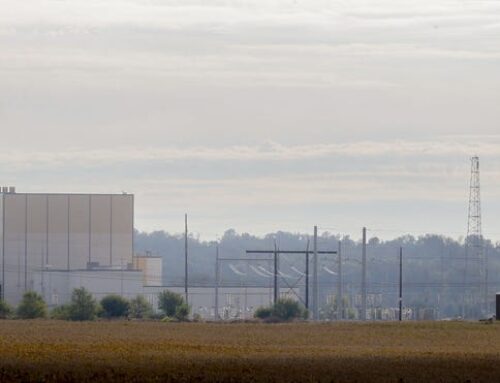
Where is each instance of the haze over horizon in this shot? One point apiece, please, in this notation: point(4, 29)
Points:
point(257, 115)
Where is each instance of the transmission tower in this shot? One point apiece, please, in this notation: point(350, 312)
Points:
point(475, 265)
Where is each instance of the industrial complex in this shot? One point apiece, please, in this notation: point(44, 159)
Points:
point(54, 243)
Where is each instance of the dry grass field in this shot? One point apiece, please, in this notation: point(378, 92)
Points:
point(46, 351)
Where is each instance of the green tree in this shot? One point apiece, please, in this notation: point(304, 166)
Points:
point(168, 302)
point(140, 308)
point(83, 306)
point(32, 306)
point(5, 310)
point(114, 306)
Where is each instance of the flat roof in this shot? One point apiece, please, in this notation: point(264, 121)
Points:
point(89, 270)
point(147, 256)
point(75, 194)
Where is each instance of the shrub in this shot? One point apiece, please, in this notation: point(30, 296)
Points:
point(284, 309)
point(287, 309)
point(62, 312)
point(157, 315)
point(263, 312)
point(114, 306)
point(5, 310)
point(83, 306)
point(32, 306)
point(140, 308)
point(168, 302)
point(182, 312)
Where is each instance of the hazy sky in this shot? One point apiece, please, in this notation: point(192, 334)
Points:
point(257, 115)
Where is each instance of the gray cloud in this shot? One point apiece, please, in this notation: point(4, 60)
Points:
point(292, 180)
point(369, 111)
point(443, 147)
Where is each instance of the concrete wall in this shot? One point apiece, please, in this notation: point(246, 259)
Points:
point(61, 232)
point(56, 286)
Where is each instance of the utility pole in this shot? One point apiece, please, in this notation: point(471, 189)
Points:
point(340, 293)
point(486, 281)
point(186, 258)
point(217, 281)
point(307, 276)
point(276, 293)
point(363, 277)
point(441, 287)
point(26, 243)
point(315, 275)
point(42, 274)
point(3, 247)
point(400, 284)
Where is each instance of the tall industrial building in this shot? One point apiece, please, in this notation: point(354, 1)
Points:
point(55, 233)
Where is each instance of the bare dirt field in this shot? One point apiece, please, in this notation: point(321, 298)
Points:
point(46, 351)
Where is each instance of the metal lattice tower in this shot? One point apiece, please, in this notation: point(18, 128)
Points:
point(474, 223)
point(475, 291)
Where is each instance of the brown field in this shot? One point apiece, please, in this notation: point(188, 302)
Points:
point(46, 351)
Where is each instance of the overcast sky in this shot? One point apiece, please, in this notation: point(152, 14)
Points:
point(257, 115)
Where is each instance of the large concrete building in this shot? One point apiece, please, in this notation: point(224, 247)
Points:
point(44, 233)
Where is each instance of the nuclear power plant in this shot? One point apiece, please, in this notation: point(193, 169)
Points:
point(53, 243)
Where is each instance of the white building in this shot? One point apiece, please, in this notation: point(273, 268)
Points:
point(46, 233)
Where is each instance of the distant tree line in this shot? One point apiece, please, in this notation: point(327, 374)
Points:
point(433, 265)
